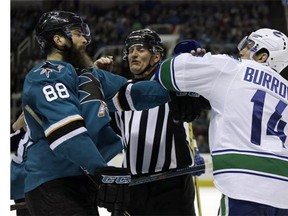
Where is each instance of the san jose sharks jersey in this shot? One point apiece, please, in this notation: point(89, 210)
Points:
point(61, 142)
point(73, 130)
point(95, 111)
point(17, 171)
point(248, 126)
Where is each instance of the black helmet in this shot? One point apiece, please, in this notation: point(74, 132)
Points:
point(145, 37)
point(62, 21)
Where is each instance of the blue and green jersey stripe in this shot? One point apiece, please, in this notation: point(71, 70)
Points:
point(166, 75)
point(251, 163)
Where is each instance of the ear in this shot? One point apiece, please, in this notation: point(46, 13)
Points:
point(59, 40)
point(261, 58)
point(157, 57)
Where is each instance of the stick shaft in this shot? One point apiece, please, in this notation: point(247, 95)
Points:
point(33, 114)
point(168, 174)
point(16, 206)
point(197, 192)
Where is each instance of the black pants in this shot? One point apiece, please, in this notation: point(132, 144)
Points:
point(173, 196)
point(66, 196)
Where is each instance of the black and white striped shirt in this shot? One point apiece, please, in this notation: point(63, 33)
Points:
point(153, 142)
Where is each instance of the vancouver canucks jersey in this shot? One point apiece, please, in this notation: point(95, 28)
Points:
point(248, 126)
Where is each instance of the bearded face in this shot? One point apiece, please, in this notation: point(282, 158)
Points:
point(78, 57)
point(75, 52)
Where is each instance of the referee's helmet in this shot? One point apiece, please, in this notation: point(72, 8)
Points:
point(145, 37)
point(274, 42)
point(60, 22)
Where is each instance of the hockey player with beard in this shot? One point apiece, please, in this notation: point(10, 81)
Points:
point(64, 105)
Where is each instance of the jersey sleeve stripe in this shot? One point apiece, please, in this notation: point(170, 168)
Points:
point(66, 131)
point(128, 96)
point(62, 123)
point(67, 136)
point(116, 102)
point(123, 100)
point(166, 75)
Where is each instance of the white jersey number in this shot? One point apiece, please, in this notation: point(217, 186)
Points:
point(53, 92)
point(275, 125)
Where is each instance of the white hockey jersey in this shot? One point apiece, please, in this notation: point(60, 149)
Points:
point(248, 127)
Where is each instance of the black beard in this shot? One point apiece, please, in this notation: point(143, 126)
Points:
point(78, 58)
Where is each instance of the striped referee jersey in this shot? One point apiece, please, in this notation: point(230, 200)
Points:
point(152, 141)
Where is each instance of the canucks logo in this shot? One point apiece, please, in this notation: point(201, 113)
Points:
point(48, 68)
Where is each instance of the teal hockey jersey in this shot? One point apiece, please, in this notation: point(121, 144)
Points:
point(74, 130)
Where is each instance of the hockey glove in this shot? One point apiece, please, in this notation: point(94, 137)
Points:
point(186, 106)
point(113, 188)
point(199, 160)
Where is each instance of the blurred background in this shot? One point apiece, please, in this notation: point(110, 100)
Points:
point(218, 25)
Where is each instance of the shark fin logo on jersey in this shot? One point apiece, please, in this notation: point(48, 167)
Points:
point(102, 109)
point(90, 88)
point(48, 68)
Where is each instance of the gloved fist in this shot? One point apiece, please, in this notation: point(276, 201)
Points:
point(199, 160)
point(105, 63)
point(113, 188)
point(186, 106)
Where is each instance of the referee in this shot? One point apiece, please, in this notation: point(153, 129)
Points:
point(153, 141)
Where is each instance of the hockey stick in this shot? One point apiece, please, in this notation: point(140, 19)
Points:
point(192, 144)
point(17, 206)
point(33, 114)
point(148, 178)
point(169, 174)
point(22, 205)
point(153, 177)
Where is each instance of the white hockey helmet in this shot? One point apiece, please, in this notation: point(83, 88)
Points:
point(274, 41)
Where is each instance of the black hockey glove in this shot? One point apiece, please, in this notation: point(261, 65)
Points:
point(113, 188)
point(186, 106)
